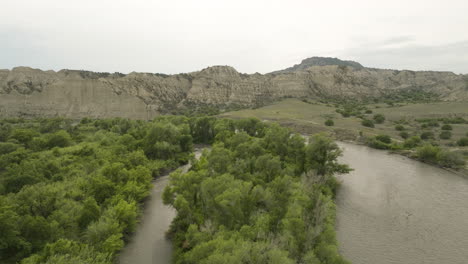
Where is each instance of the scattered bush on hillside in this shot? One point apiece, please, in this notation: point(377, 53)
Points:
point(463, 142)
point(404, 134)
point(329, 122)
point(367, 123)
point(427, 135)
point(446, 127)
point(379, 118)
point(445, 135)
point(399, 127)
point(412, 142)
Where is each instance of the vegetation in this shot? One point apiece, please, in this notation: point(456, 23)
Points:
point(418, 118)
point(427, 135)
point(445, 135)
point(446, 127)
point(261, 195)
point(367, 123)
point(399, 127)
point(404, 134)
point(71, 193)
point(463, 142)
point(329, 122)
point(379, 118)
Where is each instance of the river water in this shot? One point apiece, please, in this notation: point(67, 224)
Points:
point(392, 209)
point(149, 244)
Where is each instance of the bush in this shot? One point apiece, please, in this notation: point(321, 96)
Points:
point(404, 134)
point(450, 159)
point(367, 123)
point(433, 123)
point(368, 111)
point(446, 127)
point(428, 153)
point(463, 142)
point(329, 122)
point(445, 135)
point(412, 142)
point(399, 127)
point(375, 143)
point(379, 118)
point(384, 138)
point(427, 135)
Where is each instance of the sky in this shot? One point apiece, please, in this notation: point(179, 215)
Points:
point(174, 36)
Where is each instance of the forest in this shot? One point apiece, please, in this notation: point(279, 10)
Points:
point(72, 191)
point(260, 195)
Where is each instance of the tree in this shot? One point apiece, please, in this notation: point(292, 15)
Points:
point(322, 156)
point(59, 139)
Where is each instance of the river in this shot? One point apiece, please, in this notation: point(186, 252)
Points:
point(149, 244)
point(392, 209)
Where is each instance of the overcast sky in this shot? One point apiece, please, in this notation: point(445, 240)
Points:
point(174, 36)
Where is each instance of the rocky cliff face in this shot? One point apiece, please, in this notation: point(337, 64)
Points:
point(31, 92)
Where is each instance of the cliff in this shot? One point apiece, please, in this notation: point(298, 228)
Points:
point(75, 94)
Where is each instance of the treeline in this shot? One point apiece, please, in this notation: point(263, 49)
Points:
point(260, 195)
point(70, 192)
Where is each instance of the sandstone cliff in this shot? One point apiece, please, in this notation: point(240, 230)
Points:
point(31, 92)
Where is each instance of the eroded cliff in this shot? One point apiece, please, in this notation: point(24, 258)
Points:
point(31, 92)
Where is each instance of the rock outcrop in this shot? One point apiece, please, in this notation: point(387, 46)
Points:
point(31, 92)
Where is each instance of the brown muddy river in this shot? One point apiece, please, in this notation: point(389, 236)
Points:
point(149, 244)
point(391, 209)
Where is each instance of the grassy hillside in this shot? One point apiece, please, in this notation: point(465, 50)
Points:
point(412, 119)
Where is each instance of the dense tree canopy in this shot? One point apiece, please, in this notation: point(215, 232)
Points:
point(260, 195)
point(71, 192)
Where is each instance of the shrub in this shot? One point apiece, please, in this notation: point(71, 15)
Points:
point(329, 122)
point(463, 142)
point(404, 134)
point(379, 118)
point(427, 135)
point(384, 138)
point(368, 111)
point(428, 153)
point(445, 135)
point(446, 127)
point(412, 142)
point(399, 127)
point(375, 143)
point(367, 123)
point(433, 123)
point(450, 159)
